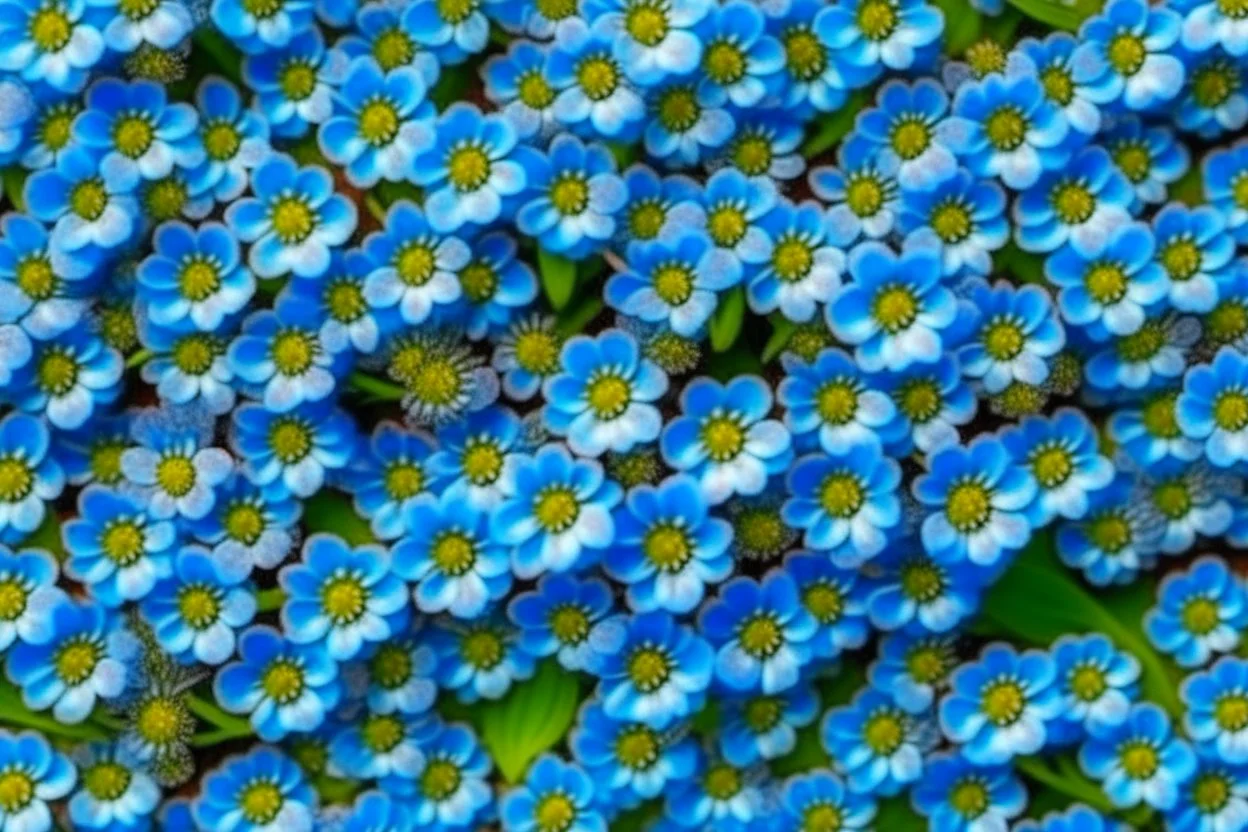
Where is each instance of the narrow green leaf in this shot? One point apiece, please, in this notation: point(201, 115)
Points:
point(736, 362)
point(1024, 266)
point(558, 277)
point(220, 52)
point(14, 714)
point(782, 330)
point(625, 154)
point(727, 319)
point(1064, 777)
point(47, 537)
point(331, 511)
point(896, 815)
point(14, 179)
point(963, 25)
point(533, 716)
point(832, 127)
point(574, 319)
point(1059, 14)
point(1190, 187)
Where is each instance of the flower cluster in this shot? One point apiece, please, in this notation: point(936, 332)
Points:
point(636, 414)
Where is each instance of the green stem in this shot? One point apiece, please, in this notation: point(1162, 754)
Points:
point(381, 389)
point(138, 359)
point(268, 600)
point(220, 51)
point(22, 718)
point(225, 722)
point(1038, 770)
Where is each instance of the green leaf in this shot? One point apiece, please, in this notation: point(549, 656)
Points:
point(736, 362)
point(558, 277)
point(1057, 13)
point(47, 537)
point(1023, 265)
point(331, 511)
point(533, 716)
point(963, 25)
point(896, 815)
point(726, 322)
point(625, 154)
point(220, 52)
point(14, 179)
point(1190, 187)
point(574, 319)
point(782, 330)
point(832, 127)
point(14, 714)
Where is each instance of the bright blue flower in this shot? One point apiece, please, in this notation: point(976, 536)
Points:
point(1139, 760)
point(474, 170)
point(292, 220)
point(518, 83)
point(1151, 157)
point(763, 726)
point(659, 208)
point(685, 129)
point(958, 796)
point(1129, 44)
point(449, 554)
point(348, 323)
point(761, 631)
point(280, 686)
point(576, 197)
point(235, 139)
point(117, 546)
point(381, 746)
point(723, 440)
point(375, 811)
point(1213, 100)
point(135, 133)
point(815, 77)
point(93, 453)
point(174, 472)
point(1006, 127)
point(1080, 204)
point(896, 311)
point(732, 208)
point(917, 588)
point(294, 85)
point(961, 218)
point(396, 675)
point(662, 42)
point(86, 655)
point(68, 378)
point(381, 120)
point(674, 283)
point(1066, 81)
point(261, 790)
point(807, 798)
point(32, 476)
point(30, 575)
point(1062, 453)
point(1199, 613)
point(552, 789)
point(977, 498)
point(873, 39)
point(1150, 434)
point(60, 52)
point(33, 295)
point(1016, 333)
point(829, 400)
point(718, 796)
point(48, 135)
point(246, 529)
point(1078, 818)
point(834, 597)
point(40, 772)
point(602, 400)
point(526, 354)
point(450, 35)
point(740, 62)
point(558, 615)
point(194, 276)
point(455, 751)
point(766, 144)
point(667, 547)
point(260, 30)
point(862, 193)
point(1208, 409)
point(187, 367)
point(495, 286)
point(341, 597)
point(195, 612)
point(913, 666)
point(629, 761)
point(932, 401)
point(847, 503)
point(804, 265)
point(1189, 500)
point(380, 32)
point(1213, 699)
point(392, 475)
point(280, 360)
point(1196, 252)
point(877, 745)
point(594, 99)
point(651, 668)
point(412, 267)
point(1224, 172)
point(1214, 797)
point(117, 790)
point(291, 453)
point(900, 134)
point(1155, 356)
point(480, 659)
point(471, 452)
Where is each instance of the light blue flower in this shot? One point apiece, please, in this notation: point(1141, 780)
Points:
point(260, 29)
point(41, 774)
point(1213, 100)
point(60, 52)
point(1150, 433)
point(1199, 613)
point(279, 359)
point(878, 35)
point(47, 133)
point(651, 41)
point(196, 611)
point(254, 792)
point(1151, 157)
point(348, 323)
point(659, 208)
point(896, 312)
point(86, 656)
point(740, 62)
point(117, 546)
point(1015, 336)
point(576, 197)
point(766, 144)
point(381, 746)
point(602, 400)
point(30, 476)
point(1224, 172)
point(450, 34)
point(291, 453)
point(68, 378)
point(862, 193)
point(381, 33)
point(281, 687)
point(932, 401)
point(448, 552)
point(961, 218)
point(117, 790)
point(733, 206)
point(815, 76)
point(381, 121)
point(1129, 42)
point(761, 726)
point(685, 129)
point(675, 283)
point(829, 400)
point(1208, 409)
point(390, 477)
point(1213, 699)
point(455, 751)
point(294, 85)
point(1078, 818)
point(135, 133)
point(1062, 453)
point(900, 134)
point(292, 220)
point(913, 666)
point(717, 796)
point(1153, 357)
point(412, 266)
point(847, 503)
point(176, 471)
point(805, 798)
point(875, 744)
point(480, 659)
point(594, 99)
point(1189, 500)
point(958, 796)
point(918, 588)
point(187, 367)
point(396, 675)
point(194, 275)
point(378, 810)
point(1066, 81)
point(629, 761)
point(761, 631)
point(33, 295)
point(1079, 204)
point(495, 286)
point(552, 789)
point(558, 615)
point(30, 576)
point(1215, 795)
point(804, 265)
point(1139, 760)
point(518, 82)
point(1195, 250)
point(471, 453)
point(162, 24)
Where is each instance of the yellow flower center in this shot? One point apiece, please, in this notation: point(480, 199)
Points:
point(598, 77)
point(805, 56)
point(864, 194)
point(454, 553)
point(761, 636)
point(133, 135)
point(556, 508)
point(637, 747)
point(1133, 159)
point(16, 479)
point(723, 437)
point(1214, 83)
point(722, 781)
point(468, 167)
point(1181, 258)
point(910, 136)
point(1006, 128)
point(379, 122)
point(1110, 532)
point(678, 109)
point(456, 11)
point(344, 599)
point(1231, 712)
point(1106, 282)
point(569, 623)
point(752, 154)
point(569, 193)
point(193, 354)
point(824, 601)
point(282, 681)
point(877, 19)
point(17, 790)
point(1003, 702)
point(297, 79)
point(646, 21)
point(483, 649)
point(726, 224)
point(175, 475)
point(393, 48)
point(1144, 344)
point(260, 802)
point(221, 140)
point(244, 523)
point(822, 817)
point(837, 402)
point(122, 542)
point(667, 546)
point(608, 396)
point(1211, 791)
point(382, 732)
point(1058, 84)
point(1200, 615)
point(1052, 465)
point(792, 259)
point(724, 62)
point(919, 400)
point(951, 221)
point(841, 494)
point(482, 461)
point(50, 28)
point(969, 506)
point(969, 798)
point(88, 199)
point(292, 218)
point(648, 669)
point(440, 780)
point(1230, 410)
point(1003, 339)
point(290, 440)
point(106, 781)
point(293, 352)
point(391, 667)
point(534, 90)
point(554, 812)
point(884, 733)
point(1139, 760)
point(76, 660)
point(1087, 683)
point(34, 276)
point(1126, 53)
point(1173, 499)
point(12, 599)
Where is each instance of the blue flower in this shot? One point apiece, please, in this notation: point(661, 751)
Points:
point(931, 400)
point(684, 128)
point(576, 197)
point(763, 726)
point(390, 477)
point(194, 276)
point(740, 62)
point(1098, 682)
point(280, 686)
point(900, 133)
point(59, 52)
point(117, 792)
point(29, 475)
point(552, 789)
point(396, 675)
point(260, 29)
point(135, 133)
point(246, 529)
point(602, 399)
point(650, 41)
point(187, 367)
point(1139, 760)
point(1150, 433)
point(380, 32)
point(450, 34)
point(195, 612)
point(1081, 204)
point(519, 84)
point(1062, 453)
point(1224, 172)
point(38, 773)
point(558, 616)
point(348, 324)
point(460, 796)
point(877, 745)
point(1189, 500)
point(293, 219)
point(803, 266)
point(958, 796)
point(449, 554)
point(377, 810)
point(896, 311)
point(1199, 613)
point(594, 98)
point(732, 209)
point(962, 219)
point(177, 475)
point(412, 267)
point(629, 761)
point(381, 746)
point(846, 502)
point(877, 35)
point(495, 286)
point(917, 588)
point(1216, 795)
point(29, 578)
point(527, 354)
point(913, 666)
point(68, 378)
point(659, 208)
point(1066, 81)
point(1006, 127)
point(1151, 157)
point(1078, 818)
point(1152, 357)
point(1128, 43)
point(1016, 334)
point(651, 668)
point(381, 120)
point(829, 400)
point(722, 439)
point(341, 596)
point(474, 166)
point(766, 144)
point(279, 357)
point(294, 85)
point(471, 453)
point(86, 654)
point(815, 77)
point(480, 659)
point(674, 283)
point(117, 546)
point(718, 796)
point(235, 139)
point(807, 798)
point(862, 194)
point(33, 295)
point(1213, 100)
point(834, 597)
point(1214, 700)
point(261, 790)
point(761, 631)
point(1208, 409)
point(291, 453)
point(1195, 250)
